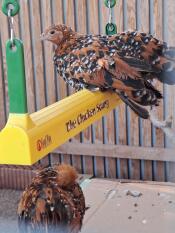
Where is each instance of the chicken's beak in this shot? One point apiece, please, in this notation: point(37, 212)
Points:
point(43, 37)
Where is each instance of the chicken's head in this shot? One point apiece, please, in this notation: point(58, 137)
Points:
point(57, 34)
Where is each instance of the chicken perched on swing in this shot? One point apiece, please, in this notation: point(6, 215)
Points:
point(127, 63)
point(54, 202)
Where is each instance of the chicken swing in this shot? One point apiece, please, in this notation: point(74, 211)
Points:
point(26, 138)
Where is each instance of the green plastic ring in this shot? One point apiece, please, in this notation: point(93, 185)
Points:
point(112, 3)
point(15, 5)
point(111, 29)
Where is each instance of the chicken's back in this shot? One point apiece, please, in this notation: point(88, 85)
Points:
point(54, 201)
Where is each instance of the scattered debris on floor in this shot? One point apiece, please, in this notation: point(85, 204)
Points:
point(144, 221)
point(133, 193)
point(111, 194)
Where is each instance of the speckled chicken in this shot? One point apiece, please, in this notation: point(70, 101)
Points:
point(128, 63)
point(54, 202)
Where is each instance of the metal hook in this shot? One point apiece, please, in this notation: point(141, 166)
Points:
point(111, 28)
point(110, 12)
point(11, 21)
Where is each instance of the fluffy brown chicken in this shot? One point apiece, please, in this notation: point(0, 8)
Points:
point(54, 202)
point(127, 63)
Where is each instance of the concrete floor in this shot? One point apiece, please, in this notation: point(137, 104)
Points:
point(129, 207)
point(114, 207)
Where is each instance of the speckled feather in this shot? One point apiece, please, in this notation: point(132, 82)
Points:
point(51, 204)
point(126, 63)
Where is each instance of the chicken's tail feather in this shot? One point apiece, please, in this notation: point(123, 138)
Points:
point(66, 175)
point(140, 111)
point(145, 97)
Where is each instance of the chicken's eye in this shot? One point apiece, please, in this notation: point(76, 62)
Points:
point(52, 32)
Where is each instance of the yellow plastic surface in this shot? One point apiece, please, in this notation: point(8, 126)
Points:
point(27, 138)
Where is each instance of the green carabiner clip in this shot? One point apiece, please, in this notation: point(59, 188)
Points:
point(14, 4)
point(112, 3)
point(111, 29)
